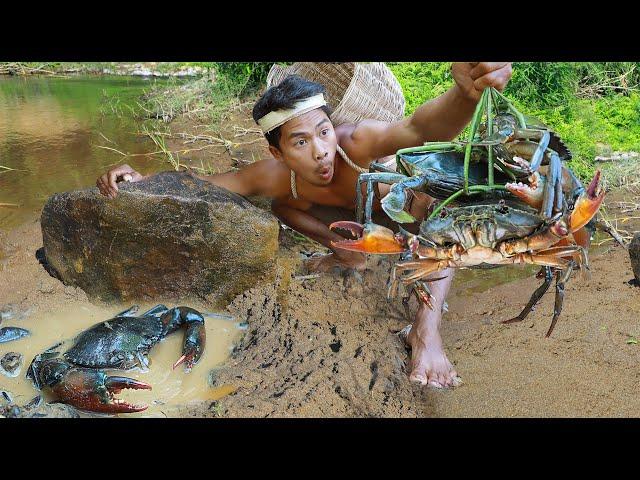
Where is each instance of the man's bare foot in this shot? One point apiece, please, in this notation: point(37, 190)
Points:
point(324, 263)
point(429, 364)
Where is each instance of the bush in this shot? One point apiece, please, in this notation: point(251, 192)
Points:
point(585, 103)
point(243, 78)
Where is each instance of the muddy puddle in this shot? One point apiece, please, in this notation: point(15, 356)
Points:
point(170, 387)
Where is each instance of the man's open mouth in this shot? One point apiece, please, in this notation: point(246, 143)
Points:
point(325, 172)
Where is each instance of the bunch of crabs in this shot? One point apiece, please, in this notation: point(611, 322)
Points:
point(506, 196)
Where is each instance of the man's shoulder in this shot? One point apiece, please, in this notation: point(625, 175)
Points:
point(358, 138)
point(361, 130)
point(273, 176)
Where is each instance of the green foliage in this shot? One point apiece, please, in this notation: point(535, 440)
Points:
point(243, 78)
point(542, 84)
point(421, 81)
point(585, 103)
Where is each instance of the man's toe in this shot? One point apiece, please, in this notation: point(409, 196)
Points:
point(418, 378)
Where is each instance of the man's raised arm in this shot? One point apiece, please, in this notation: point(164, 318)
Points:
point(440, 119)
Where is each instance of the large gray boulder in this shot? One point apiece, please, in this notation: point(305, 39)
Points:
point(171, 236)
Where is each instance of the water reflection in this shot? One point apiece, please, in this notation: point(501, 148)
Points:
point(50, 130)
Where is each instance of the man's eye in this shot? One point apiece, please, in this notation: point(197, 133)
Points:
point(325, 131)
point(301, 142)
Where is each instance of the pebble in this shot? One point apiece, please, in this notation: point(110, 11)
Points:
point(44, 288)
point(10, 364)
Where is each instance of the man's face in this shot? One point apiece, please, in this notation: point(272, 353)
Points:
point(308, 147)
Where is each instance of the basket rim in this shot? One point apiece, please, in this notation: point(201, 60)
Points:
point(390, 105)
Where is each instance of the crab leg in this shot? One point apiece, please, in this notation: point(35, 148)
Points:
point(561, 279)
point(427, 267)
point(543, 137)
point(369, 178)
point(552, 188)
point(536, 242)
point(535, 298)
point(423, 294)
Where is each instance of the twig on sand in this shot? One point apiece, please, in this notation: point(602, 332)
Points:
point(606, 226)
point(307, 277)
point(9, 169)
point(9, 205)
point(241, 131)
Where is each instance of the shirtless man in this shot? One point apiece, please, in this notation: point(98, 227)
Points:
point(302, 139)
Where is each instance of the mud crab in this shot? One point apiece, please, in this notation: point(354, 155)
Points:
point(540, 221)
point(442, 169)
point(121, 342)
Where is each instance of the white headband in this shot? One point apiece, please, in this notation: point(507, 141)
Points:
point(278, 117)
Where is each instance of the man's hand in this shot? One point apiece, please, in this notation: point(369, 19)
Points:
point(108, 183)
point(472, 78)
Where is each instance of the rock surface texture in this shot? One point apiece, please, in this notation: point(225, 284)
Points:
point(171, 236)
point(634, 255)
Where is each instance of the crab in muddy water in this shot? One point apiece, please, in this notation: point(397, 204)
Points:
point(539, 218)
point(123, 342)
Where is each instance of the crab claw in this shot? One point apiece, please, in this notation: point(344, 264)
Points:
point(193, 346)
point(587, 204)
point(93, 390)
point(371, 238)
point(532, 193)
point(117, 384)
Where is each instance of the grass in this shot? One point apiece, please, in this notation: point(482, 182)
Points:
point(158, 139)
point(210, 98)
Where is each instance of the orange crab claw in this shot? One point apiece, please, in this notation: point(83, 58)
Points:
point(371, 238)
point(588, 204)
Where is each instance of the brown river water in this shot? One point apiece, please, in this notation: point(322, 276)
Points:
point(51, 131)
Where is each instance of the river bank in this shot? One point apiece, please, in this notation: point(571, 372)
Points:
point(141, 69)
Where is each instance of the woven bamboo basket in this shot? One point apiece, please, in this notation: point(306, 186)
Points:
point(355, 91)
